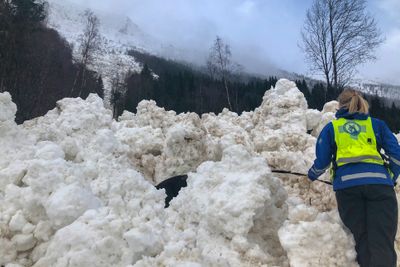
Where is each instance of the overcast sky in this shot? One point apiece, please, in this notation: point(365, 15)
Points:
point(263, 34)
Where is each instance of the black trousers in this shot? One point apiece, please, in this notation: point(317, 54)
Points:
point(370, 212)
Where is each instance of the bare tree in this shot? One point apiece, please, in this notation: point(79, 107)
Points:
point(90, 43)
point(219, 62)
point(118, 93)
point(339, 35)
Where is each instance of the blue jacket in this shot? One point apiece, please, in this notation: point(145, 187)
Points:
point(325, 149)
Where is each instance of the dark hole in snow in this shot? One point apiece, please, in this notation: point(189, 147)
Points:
point(172, 186)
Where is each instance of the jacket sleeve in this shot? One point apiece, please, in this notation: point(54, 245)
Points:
point(323, 152)
point(392, 149)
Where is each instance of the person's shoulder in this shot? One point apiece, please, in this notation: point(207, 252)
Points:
point(328, 128)
point(378, 122)
point(380, 126)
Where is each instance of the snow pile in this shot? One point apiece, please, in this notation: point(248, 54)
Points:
point(71, 194)
point(7, 108)
point(280, 133)
point(227, 129)
point(163, 144)
point(228, 215)
point(316, 239)
point(328, 114)
point(315, 194)
point(76, 187)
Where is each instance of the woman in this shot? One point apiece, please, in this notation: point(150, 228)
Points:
point(364, 183)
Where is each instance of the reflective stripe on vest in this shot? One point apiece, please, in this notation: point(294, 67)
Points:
point(356, 142)
point(364, 175)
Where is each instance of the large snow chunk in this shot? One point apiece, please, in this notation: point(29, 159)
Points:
point(81, 244)
point(313, 239)
point(48, 151)
point(331, 106)
point(8, 251)
point(313, 118)
point(7, 107)
point(228, 215)
point(283, 107)
point(149, 114)
point(17, 222)
point(322, 244)
point(68, 203)
point(184, 149)
point(12, 174)
point(102, 238)
point(161, 143)
point(316, 240)
point(144, 140)
point(23, 242)
point(328, 114)
point(281, 124)
point(227, 129)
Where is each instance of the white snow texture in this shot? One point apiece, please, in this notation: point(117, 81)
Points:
point(77, 187)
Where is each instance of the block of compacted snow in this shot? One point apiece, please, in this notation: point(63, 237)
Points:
point(17, 222)
point(331, 106)
point(313, 118)
point(328, 114)
point(283, 106)
point(23, 242)
point(313, 239)
point(48, 151)
point(7, 107)
point(68, 203)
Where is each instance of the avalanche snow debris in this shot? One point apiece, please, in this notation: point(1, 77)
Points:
point(7, 108)
point(77, 187)
point(328, 114)
point(228, 215)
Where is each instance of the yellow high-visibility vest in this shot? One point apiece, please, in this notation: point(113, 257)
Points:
point(356, 142)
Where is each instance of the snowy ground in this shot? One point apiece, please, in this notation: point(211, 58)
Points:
point(76, 187)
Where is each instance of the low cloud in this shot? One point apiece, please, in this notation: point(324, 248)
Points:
point(264, 35)
point(391, 8)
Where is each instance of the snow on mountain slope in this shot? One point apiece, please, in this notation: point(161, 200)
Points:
point(76, 187)
point(119, 34)
point(388, 91)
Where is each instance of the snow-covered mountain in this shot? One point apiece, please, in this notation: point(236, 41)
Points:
point(388, 91)
point(119, 34)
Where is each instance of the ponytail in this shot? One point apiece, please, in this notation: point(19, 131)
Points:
point(353, 101)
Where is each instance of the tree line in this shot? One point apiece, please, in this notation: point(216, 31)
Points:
point(36, 64)
point(184, 88)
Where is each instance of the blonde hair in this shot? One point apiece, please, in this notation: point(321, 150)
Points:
point(353, 101)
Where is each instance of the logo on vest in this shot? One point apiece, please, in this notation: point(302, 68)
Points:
point(352, 128)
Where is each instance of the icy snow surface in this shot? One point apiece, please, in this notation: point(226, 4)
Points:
point(76, 187)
